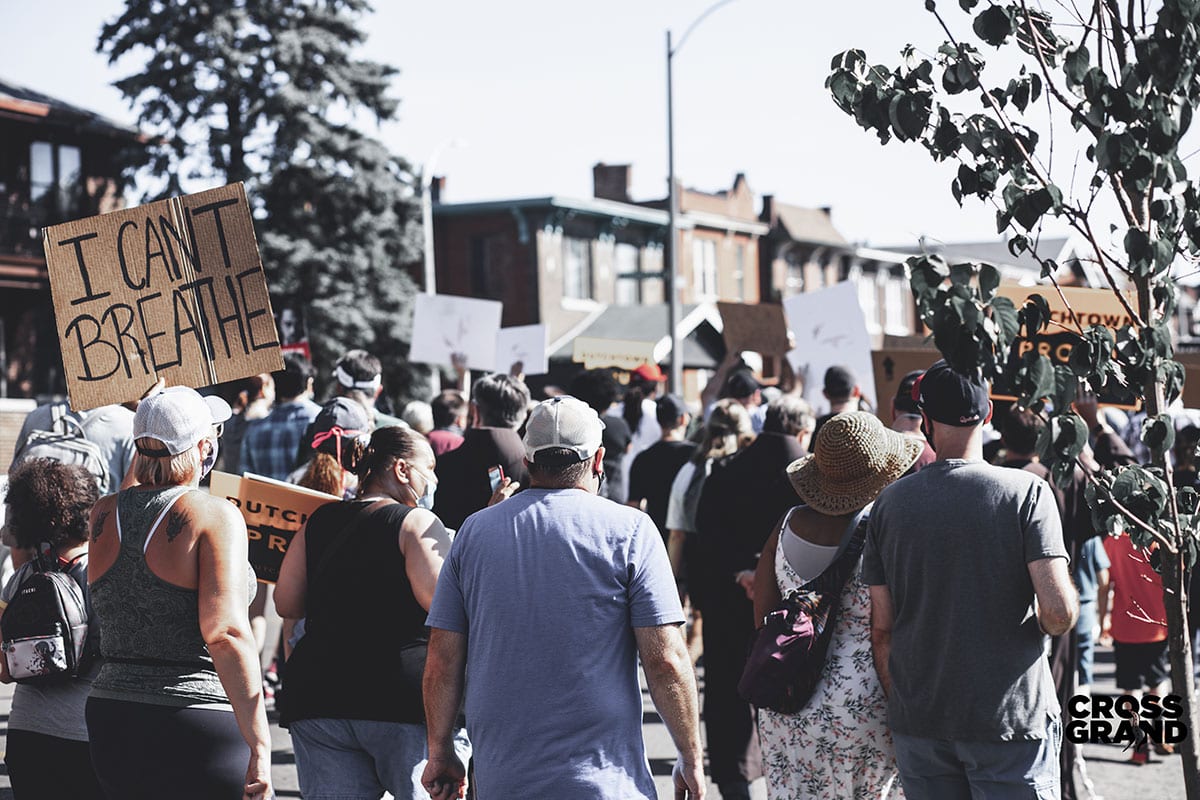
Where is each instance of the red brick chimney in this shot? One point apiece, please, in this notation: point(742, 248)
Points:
point(611, 181)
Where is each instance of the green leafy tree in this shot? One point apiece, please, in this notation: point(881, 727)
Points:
point(1125, 77)
point(268, 92)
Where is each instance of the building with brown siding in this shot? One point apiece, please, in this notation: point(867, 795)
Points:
point(57, 162)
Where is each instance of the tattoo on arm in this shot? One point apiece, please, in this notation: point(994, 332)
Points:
point(98, 525)
point(175, 525)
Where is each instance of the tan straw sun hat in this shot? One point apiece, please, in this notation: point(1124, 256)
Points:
point(855, 457)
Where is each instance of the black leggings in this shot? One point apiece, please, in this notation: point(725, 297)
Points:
point(42, 767)
point(142, 751)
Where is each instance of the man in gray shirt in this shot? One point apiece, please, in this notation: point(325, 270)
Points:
point(968, 573)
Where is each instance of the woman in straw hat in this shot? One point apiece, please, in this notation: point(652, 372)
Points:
point(838, 745)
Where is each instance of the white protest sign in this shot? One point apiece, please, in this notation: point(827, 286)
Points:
point(524, 344)
point(830, 330)
point(445, 324)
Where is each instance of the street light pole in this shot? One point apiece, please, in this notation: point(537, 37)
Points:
point(430, 287)
point(673, 310)
point(427, 175)
point(673, 306)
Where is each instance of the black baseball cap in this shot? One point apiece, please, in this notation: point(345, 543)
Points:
point(905, 403)
point(741, 384)
point(670, 408)
point(952, 398)
point(839, 381)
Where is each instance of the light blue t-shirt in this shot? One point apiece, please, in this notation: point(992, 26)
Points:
point(1092, 560)
point(548, 587)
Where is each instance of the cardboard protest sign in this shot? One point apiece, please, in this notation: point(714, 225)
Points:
point(1091, 307)
point(1191, 380)
point(620, 353)
point(890, 366)
point(273, 511)
point(759, 328)
point(830, 330)
point(524, 345)
point(445, 324)
point(173, 288)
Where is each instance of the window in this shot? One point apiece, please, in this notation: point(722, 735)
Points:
point(653, 289)
point(739, 273)
point(896, 321)
point(55, 182)
point(577, 269)
point(628, 289)
point(704, 269)
point(868, 298)
point(481, 268)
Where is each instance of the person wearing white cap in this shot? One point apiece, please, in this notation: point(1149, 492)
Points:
point(177, 707)
point(558, 592)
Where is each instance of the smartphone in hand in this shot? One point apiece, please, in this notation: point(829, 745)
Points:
point(496, 477)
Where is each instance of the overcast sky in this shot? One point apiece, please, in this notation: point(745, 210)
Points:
point(540, 90)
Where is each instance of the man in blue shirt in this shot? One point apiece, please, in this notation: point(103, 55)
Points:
point(271, 444)
point(543, 608)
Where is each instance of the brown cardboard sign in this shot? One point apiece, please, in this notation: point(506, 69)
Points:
point(1091, 307)
point(759, 328)
point(890, 367)
point(274, 511)
point(173, 289)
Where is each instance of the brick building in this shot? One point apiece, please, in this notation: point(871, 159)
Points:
point(57, 162)
point(560, 260)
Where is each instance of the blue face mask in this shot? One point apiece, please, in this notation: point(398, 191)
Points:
point(209, 460)
point(426, 500)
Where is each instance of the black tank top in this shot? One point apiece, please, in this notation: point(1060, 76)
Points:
point(365, 638)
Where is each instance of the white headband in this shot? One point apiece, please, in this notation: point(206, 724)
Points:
point(346, 379)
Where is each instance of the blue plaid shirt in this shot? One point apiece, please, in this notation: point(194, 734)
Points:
point(272, 443)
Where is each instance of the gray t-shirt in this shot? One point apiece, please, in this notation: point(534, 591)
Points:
point(57, 709)
point(952, 544)
point(548, 587)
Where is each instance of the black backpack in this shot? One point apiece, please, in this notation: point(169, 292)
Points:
point(45, 625)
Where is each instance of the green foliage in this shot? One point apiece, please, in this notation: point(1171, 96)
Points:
point(1130, 86)
point(268, 92)
point(973, 326)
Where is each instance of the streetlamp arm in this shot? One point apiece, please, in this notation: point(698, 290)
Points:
point(695, 24)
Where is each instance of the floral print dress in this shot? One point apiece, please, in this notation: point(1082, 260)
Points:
point(837, 747)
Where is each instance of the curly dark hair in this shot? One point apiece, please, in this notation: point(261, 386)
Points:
point(49, 501)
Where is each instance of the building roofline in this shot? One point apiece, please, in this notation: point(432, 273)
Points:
point(606, 208)
point(705, 219)
point(22, 103)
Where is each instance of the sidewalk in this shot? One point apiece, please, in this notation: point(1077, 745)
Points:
point(1107, 765)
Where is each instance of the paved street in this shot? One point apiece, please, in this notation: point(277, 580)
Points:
point(1114, 779)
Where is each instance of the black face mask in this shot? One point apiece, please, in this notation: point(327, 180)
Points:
point(599, 482)
point(927, 430)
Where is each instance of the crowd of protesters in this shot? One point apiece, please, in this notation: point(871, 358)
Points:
point(473, 612)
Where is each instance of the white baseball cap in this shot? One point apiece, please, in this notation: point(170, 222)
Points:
point(563, 422)
point(179, 417)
